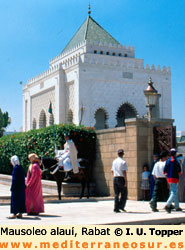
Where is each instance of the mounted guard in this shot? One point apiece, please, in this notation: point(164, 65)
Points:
point(68, 157)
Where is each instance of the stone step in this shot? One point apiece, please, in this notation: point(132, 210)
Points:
point(5, 200)
point(50, 187)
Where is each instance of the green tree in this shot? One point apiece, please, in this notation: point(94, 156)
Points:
point(4, 122)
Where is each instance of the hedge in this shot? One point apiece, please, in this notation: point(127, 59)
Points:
point(41, 142)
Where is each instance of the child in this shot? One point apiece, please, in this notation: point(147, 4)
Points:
point(145, 184)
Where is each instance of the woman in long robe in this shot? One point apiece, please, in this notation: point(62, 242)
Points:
point(34, 197)
point(17, 189)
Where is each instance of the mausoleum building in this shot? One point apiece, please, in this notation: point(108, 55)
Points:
point(95, 81)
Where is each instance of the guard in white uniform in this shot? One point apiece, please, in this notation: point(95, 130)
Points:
point(67, 157)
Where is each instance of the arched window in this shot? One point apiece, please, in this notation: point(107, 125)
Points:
point(101, 118)
point(34, 124)
point(70, 116)
point(51, 119)
point(124, 112)
point(42, 119)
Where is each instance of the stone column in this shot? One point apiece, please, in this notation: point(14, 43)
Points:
point(76, 118)
point(26, 111)
point(60, 97)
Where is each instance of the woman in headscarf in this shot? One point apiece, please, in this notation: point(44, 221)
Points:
point(34, 198)
point(17, 189)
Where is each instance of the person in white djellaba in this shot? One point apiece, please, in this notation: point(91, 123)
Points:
point(67, 157)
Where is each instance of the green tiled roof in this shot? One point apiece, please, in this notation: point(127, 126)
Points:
point(91, 31)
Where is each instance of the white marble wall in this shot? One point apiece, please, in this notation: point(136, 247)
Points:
point(103, 83)
point(82, 78)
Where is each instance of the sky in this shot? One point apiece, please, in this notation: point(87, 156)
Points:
point(35, 31)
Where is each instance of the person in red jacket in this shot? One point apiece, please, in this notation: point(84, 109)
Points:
point(172, 170)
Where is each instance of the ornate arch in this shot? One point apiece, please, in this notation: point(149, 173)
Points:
point(42, 119)
point(101, 117)
point(125, 111)
point(34, 124)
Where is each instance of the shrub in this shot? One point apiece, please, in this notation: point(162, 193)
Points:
point(41, 142)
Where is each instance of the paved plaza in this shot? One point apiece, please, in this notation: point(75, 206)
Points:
point(93, 211)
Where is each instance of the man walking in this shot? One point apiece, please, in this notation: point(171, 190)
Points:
point(152, 181)
point(172, 170)
point(119, 168)
point(161, 186)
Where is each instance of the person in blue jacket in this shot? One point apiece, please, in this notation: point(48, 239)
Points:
point(17, 189)
point(172, 170)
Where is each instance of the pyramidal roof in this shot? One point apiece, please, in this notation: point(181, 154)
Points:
point(91, 31)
